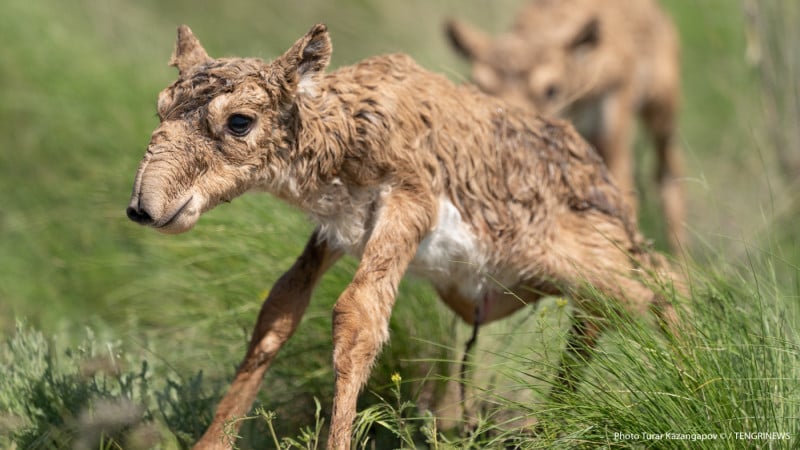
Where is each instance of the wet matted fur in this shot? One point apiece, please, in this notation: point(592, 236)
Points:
point(406, 171)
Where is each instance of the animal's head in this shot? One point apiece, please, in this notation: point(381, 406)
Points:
point(226, 126)
point(539, 64)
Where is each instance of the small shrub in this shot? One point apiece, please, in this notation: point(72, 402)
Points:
point(84, 398)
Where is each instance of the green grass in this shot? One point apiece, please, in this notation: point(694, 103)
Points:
point(78, 83)
point(734, 371)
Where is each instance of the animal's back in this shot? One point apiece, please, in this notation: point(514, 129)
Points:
point(508, 172)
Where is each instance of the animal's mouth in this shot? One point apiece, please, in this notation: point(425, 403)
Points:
point(170, 218)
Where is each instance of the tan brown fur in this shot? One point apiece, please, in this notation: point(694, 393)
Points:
point(599, 63)
point(404, 170)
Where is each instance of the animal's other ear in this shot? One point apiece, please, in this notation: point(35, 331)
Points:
point(587, 37)
point(469, 41)
point(309, 56)
point(188, 51)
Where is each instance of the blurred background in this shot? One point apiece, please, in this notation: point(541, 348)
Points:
point(78, 84)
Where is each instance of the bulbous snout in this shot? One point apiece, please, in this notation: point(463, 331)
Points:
point(168, 192)
point(161, 202)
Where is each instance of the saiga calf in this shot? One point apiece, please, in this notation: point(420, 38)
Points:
point(599, 63)
point(404, 170)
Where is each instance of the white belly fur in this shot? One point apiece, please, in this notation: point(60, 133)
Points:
point(450, 255)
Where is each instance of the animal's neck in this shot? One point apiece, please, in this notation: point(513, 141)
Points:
point(317, 149)
point(324, 128)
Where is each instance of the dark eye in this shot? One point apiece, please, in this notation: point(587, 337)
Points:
point(551, 92)
point(239, 125)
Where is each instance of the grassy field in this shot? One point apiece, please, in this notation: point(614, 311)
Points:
point(103, 318)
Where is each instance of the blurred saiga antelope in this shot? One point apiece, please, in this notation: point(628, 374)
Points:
point(406, 171)
point(599, 63)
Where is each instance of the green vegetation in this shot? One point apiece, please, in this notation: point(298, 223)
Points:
point(102, 319)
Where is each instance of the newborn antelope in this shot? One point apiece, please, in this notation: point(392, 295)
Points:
point(599, 63)
point(404, 170)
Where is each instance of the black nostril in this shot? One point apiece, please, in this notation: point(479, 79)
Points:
point(138, 216)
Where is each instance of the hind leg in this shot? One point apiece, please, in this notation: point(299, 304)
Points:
point(593, 258)
point(581, 342)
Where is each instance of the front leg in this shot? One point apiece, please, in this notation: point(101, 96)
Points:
point(361, 315)
point(280, 314)
point(614, 142)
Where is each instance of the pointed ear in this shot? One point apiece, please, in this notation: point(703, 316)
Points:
point(309, 56)
point(587, 37)
point(188, 51)
point(467, 40)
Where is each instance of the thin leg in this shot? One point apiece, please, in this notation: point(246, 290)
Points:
point(615, 143)
point(361, 314)
point(466, 412)
point(465, 360)
point(280, 314)
point(660, 119)
point(670, 170)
